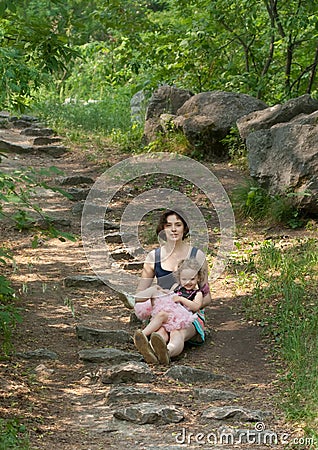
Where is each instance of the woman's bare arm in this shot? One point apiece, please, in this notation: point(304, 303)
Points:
point(147, 274)
point(206, 294)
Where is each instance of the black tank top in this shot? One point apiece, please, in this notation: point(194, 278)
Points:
point(165, 278)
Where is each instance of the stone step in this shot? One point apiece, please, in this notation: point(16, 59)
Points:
point(79, 281)
point(78, 194)
point(113, 337)
point(133, 265)
point(73, 179)
point(46, 140)
point(33, 131)
point(122, 254)
point(53, 150)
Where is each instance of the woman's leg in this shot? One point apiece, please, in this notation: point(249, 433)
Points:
point(178, 338)
point(156, 323)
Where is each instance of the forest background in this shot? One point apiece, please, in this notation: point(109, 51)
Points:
point(77, 64)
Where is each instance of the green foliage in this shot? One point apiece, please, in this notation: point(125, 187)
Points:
point(266, 49)
point(13, 435)
point(171, 142)
point(33, 46)
point(113, 112)
point(17, 205)
point(9, 313)
point(252, 201)
point(236, 148)
point(285, 300)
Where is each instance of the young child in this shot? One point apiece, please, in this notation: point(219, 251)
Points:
point(171, 310)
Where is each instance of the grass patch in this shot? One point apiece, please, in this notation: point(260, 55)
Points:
point(97, 123)
point(13, 435)
point(254, 202)
point(284, 299)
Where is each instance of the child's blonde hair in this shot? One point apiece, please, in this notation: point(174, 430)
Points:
point(193, 264)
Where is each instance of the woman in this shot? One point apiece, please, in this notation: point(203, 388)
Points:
point(160, 264)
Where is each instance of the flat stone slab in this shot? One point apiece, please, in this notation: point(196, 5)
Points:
point(122, 254)
point(150, 413)
point(107, 355)
point(41, 353)
point(46, 140)
point(132, 372)
point(114, 337)
point(236, 412)
point(78, 194)
point(74, 179)
point(133, 265)
point(211, 395)
point(188, 374)
point(53, 150)
point(79, 281)
point(37, 131)
point(130, 394)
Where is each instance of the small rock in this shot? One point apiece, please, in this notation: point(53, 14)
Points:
point(229, 412)
point(42, 353)
point(211, 395)
point(149, 413)
point(78, 281)
point(132, 372)
point(78, 194)
point(53, 150)
point(45, 140)
point(78, 208)
point(108, 355)
point(42, 371)
point(191, 375)
point(108, 336)
point(134, 265)
point(121, 254)
point(74, 180)
point(113, 238)
point(32, 131)
point(131, 394)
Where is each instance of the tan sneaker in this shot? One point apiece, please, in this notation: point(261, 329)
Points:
point(127, 299)
point(143, 346)
point(160, 348)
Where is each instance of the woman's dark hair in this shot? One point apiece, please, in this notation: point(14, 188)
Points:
point(163, 221)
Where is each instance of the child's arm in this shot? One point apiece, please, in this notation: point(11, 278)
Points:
point(150, 292)
point(194, 305)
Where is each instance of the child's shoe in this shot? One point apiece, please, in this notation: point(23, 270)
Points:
point(143, 346)
point(160, 348)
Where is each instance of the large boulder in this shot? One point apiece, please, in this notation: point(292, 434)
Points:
point(284, 159)
point(165, 100)
point(280, 113)
point(206, 118)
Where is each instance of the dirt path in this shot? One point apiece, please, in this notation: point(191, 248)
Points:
point(62, 401)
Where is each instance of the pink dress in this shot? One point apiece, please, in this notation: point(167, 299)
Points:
point(179, 316)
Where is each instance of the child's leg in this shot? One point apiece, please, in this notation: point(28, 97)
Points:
point(155, 323)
